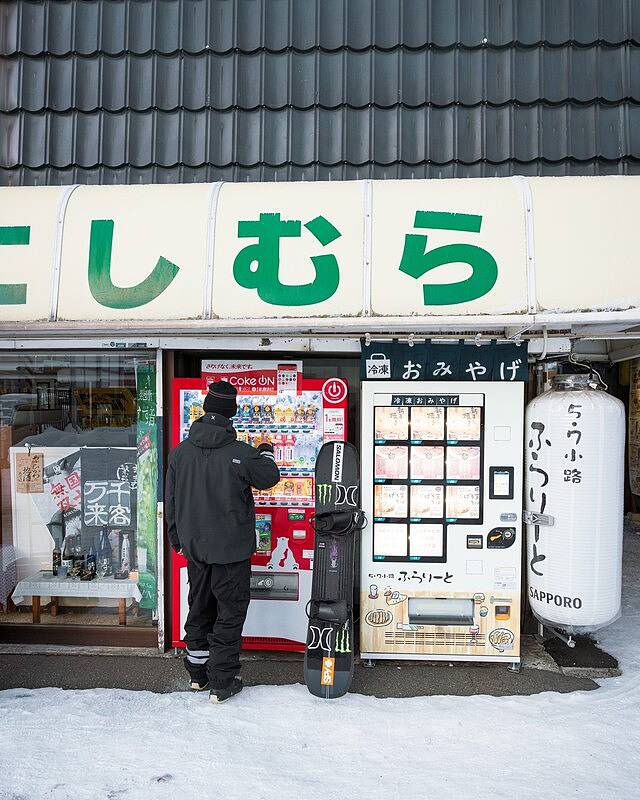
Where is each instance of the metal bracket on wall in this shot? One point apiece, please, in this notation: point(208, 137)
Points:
point(57, 253)
point(527, 204)
point(367, 200)
point(207, 299)
point(534, 518)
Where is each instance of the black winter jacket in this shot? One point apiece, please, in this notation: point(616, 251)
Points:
point(208, 500)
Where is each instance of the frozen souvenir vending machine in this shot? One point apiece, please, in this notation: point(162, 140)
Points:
point(442, 491)
point(296, 415)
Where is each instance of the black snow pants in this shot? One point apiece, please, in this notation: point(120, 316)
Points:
point(219, 597)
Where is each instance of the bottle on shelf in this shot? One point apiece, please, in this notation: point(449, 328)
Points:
point(125, 554)
point(92, 560)
point(105, 555)
point(67, 552)
point(289, 444)
point(78, 556)
point(56, 559)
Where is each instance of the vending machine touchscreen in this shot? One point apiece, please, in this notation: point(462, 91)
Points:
point(442, 478)
point(296, 415)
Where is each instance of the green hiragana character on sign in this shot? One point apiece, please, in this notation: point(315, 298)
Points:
point(101, 285)
point(14, 293)
point(416, 261)
point(257, 265)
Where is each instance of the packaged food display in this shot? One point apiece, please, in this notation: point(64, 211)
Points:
point(391, 462)
point(391, 423)
point(427, 463)
point(464, 423)
point(463, 463)
point(427, 422)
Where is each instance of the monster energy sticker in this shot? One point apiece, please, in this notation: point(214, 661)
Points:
point(324, 493)
point(343, 644)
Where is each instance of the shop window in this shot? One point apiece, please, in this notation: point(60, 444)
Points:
point(78, 481)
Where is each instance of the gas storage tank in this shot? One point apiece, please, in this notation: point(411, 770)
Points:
point(574, 450)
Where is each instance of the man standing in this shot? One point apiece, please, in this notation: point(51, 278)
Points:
point(211, 520)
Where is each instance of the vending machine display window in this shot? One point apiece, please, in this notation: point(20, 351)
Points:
point(463, 502)
point(427, 463)
point(426, 541)
point(463, 463)
point(389, 540)
point(391, 462)
point(427, 502)
point(391, 501)
point(391, 424)
point(427, 423)
point(427, 473)
point(464, 423)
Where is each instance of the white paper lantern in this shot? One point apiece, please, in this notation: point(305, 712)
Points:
point(574, 446)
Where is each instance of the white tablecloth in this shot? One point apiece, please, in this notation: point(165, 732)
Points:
point(53, 586)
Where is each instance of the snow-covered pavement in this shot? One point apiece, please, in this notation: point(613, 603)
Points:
point(280, 742)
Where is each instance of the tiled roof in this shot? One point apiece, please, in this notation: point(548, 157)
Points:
point(122, 91)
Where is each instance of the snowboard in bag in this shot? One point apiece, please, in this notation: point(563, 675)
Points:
point(328, 660)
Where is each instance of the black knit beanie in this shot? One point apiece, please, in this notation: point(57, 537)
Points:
point(221, 399)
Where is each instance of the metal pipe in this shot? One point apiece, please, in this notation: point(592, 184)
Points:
point(567, 640)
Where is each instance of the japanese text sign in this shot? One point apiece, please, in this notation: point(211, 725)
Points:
point(109, 487)
point(433, 361)
point(428, 248)
point(29, 473)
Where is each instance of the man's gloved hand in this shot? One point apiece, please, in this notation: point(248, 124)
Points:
point(265, 447)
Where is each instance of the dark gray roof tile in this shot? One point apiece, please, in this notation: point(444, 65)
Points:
point(357, 136)
point(50, 176)
point(196, 26)
point(164, 90)
point(302, 80)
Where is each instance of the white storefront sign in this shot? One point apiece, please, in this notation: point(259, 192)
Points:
point(459, 249)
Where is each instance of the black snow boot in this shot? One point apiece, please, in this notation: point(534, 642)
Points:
point(199, 683)
point(220, 695)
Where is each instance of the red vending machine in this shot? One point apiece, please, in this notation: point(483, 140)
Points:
point(296, 415)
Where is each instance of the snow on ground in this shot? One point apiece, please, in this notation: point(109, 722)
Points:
point(280, 742)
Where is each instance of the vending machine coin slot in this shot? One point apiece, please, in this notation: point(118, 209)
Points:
point(474, 542)
point(503, 613)
point(500, 538)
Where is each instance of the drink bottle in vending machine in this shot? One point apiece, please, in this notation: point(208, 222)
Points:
point(296, 415)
